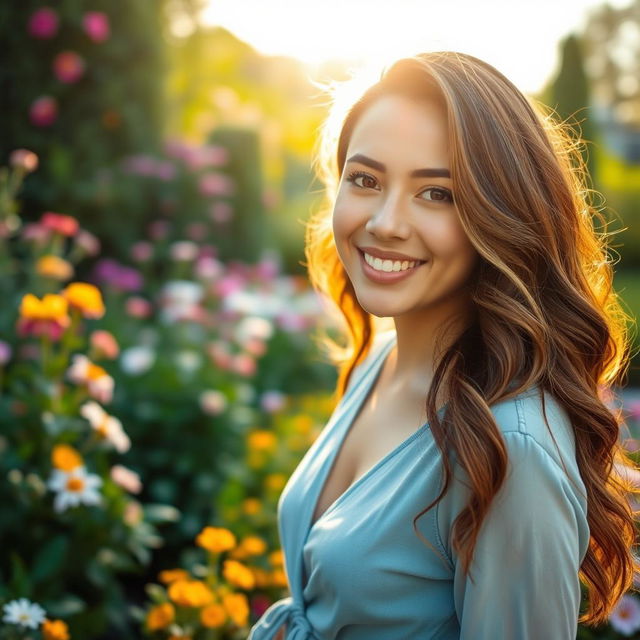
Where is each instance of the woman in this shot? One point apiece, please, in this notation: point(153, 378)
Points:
point(459, 212)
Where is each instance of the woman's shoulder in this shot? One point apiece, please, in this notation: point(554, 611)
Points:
point(535, 416)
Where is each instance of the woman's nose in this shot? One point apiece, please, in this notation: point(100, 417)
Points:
point(388, 220)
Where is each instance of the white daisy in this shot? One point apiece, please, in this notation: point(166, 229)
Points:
point(74, 487)
point(24, 612)
point(108, 427)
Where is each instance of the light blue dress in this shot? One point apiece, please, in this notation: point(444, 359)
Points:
point(361, 573)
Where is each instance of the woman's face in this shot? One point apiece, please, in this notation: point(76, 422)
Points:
point(395, 197)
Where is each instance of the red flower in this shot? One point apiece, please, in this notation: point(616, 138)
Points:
point(60, 223)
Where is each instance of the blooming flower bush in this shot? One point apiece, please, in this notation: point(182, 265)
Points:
point(70, 525)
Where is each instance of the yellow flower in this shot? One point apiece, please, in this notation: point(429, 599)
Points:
point(276, 558)
point(160, 616)
point(213, 615)
point(253, 545)
point(65, 457)
point(237, 607)
point(216, 539)
point(190, 593)
point(302, 423)
point(238, 574)
point(55, 630)
point(275, 481)
point(86, 298)
point(51, 307)
point(171, 575)
point(251, 506)
point(51, 266)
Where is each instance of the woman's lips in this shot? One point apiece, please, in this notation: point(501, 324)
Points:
point(385, 276)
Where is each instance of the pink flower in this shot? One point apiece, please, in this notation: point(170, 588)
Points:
point(43, 23)
point(229, 284)
point(625, 617)
point(208, 268)
point(129, 480)
point(196, 231)
point(32, 231)
point(212, 402)
point(267, 269)
point(68, 67)
point(24, 160)
point(43, 111)
point(166, 171)
point(87, 242)
point(221, 212)
point(96, 25)
point(5, 352)
point(105, 345)
point(290, 321)
point(273, 401)
point(243, 364)
point(138, 307)
point(183, 250)
point(219, 354)
point(141, 251)
point(215, 184)
point(158, 229)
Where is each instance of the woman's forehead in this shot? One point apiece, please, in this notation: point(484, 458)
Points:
point(398, 130)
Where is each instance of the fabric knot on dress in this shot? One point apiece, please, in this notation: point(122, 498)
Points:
point(288, 612)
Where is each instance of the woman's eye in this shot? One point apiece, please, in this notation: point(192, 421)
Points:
point(438, 194)
point(356, 175)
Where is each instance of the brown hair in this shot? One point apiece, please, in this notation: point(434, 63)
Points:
point(546, 313)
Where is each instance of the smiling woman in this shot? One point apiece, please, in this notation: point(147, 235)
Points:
point(464, 486)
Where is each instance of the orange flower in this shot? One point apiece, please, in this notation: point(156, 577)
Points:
point(276, 558)
point(190, 593)
point(160, 616)
point(104, 344)
point(238, 574)
point(216, 539)
point(65, 457)
point(86, 298)
point(51, 266)
point(171, 575)
point(55, 630)
point(251, 506)
point(213, 615)
point(237, 607)
point(261, 440)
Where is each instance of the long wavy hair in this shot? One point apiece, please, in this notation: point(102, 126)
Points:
point(545, 312)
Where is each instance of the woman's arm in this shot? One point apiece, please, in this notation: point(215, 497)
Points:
point(525, 568)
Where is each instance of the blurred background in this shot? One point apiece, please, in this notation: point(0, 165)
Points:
point(159, 152)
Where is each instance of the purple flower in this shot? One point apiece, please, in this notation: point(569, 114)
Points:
point(625, 617)
point(118, 276)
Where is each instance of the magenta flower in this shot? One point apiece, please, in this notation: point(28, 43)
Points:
point(96, 26)
point(43, 111)
point(5, 352)
point(68, 67)
point(43, 23)
point(625, 617)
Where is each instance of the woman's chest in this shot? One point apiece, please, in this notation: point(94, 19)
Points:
point(375, 432)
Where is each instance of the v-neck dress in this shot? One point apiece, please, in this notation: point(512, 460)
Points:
point(360, 572)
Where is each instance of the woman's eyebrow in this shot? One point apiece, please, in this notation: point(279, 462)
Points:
point(416, 173)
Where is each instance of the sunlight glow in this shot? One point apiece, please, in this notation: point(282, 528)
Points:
point(518, 38)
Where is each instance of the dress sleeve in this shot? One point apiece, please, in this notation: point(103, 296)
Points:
point(529, 550)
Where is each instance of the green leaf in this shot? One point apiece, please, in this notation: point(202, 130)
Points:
point(49, 559)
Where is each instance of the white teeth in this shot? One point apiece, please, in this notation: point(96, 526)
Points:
point(389, 265)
